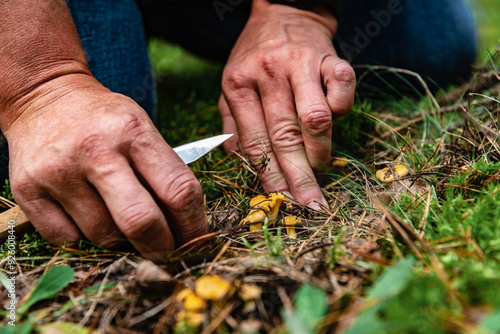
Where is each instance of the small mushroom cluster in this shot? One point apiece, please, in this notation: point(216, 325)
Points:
point(267, 206)
point(212, 291)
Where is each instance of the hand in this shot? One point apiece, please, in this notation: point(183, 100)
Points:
point(273, 95)
point(86, 162)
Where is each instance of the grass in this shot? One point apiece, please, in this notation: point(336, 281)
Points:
point(383, 260)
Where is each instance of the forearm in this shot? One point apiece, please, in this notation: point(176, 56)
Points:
point(38, 43)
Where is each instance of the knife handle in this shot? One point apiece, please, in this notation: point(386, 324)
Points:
point(22, 222)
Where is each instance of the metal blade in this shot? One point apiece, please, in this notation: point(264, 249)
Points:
point(193, 151)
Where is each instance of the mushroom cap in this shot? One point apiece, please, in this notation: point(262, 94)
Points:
point(388, 174)
point(291, 220)
point(260, 200)
point(277, 198)
point(194, 303)
point(183, 294)
point(340, 162)
point(264, 206)
point(256, 215)
point(213, 288)
point(249, 292)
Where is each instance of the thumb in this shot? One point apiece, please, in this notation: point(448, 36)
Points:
point(340, 82)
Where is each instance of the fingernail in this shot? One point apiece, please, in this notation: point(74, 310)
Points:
point(315, 205)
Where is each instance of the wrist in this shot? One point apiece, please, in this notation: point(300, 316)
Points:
point(332, 5)
point(27, 89)
point(320, 14)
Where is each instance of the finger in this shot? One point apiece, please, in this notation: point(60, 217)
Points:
point(340, 81)
point(315, 118)
point(245, 106)
point(228, 125)
point(174, 185)
point(88, 211)
point(287, 142)
point(51, 221)
point(132, 207)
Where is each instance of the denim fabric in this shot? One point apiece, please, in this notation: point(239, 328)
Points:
point(433, 38)
point(436, 39)
point(113, 38)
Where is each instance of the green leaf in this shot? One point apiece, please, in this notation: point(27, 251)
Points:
point(389, 285)
point(64, 327)
point(490, 323)
point(393, 280)
point(294, 323)
point(366, 322)
point(54, 280)
point(310, 304)
point(20, 328)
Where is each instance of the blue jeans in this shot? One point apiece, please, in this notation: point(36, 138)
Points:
point(435, 39)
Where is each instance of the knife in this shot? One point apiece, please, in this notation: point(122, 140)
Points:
point(188, 153)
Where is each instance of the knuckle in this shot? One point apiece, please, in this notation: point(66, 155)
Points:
point(273, 181)
point(55, 170)
point(317, 120)
point(344, 72)
point(270, 64)
point(184, 193)
point(254, 148)
point(234, 81)
point(131, 124)
point(287, 138)
point(137, 219)
point(91, 144)
point(303, 182)
point(23, 188)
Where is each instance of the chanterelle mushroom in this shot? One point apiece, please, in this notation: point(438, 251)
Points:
point(260, 200)
point(290, 223)
point(213, 288)
point(262, 207)
point(192, 319)
point(390, 174)
point(340, 163)
point(193, 303)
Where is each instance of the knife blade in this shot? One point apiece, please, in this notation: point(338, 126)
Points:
point(193, 151)
point(188, 153)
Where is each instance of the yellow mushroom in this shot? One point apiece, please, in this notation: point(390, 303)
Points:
point(193, 303)
point(277, 198)
point(213, 288)
point(260, 200)
point(248, 293)
point(390, 174)
point(183, 294)
point(290, 222)
point(262, 207)
point(255, 218)
point(192, 319)
point(340, 163)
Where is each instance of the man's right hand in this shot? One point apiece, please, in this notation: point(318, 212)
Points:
point(86, 162)
point(83, 160)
